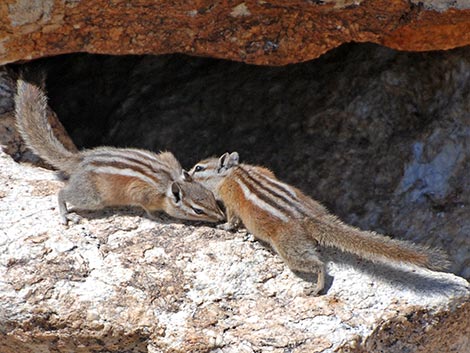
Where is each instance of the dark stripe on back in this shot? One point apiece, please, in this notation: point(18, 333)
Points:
point(142, 162)
point(252, 184)
point(119, 165)
point(291, 199)
point(276, 194)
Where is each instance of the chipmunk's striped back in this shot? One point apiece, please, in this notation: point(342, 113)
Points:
point(268, 194)
point(261, 186)
point(155, 169)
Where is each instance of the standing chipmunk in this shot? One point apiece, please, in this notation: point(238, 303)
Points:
point(294, 224)
point(107, 176)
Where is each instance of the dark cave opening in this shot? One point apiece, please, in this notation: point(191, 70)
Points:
point(379, 136)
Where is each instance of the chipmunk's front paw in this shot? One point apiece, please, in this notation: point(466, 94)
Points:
point(227, 226)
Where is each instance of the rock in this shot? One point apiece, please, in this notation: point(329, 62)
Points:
point(377, 135)
point(120, 282)
point(259, 32)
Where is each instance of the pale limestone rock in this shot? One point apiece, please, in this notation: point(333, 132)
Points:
point(120, 282)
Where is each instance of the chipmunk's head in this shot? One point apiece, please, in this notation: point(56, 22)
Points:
point(188, 199)
point(210, 172)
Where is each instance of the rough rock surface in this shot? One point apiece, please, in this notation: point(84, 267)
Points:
point(121, 283)
point(261, 32)
point(379, 136)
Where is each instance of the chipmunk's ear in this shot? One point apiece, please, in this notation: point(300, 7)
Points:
point(228, 161)
point(187, 176)
point(176, 192)
point(222, 161)
point(233, 160)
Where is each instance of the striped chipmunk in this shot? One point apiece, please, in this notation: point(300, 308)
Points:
point(294, 224)
point(107, 176)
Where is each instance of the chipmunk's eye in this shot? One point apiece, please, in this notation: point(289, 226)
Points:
point(197, 210)
point(199, 168)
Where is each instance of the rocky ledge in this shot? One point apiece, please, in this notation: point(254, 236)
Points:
point(120, 282)
point(260, 32)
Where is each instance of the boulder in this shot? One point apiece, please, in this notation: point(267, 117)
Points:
point(118, 282)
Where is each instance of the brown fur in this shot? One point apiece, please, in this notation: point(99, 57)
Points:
point(302, 223)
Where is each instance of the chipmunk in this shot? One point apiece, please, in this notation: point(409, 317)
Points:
point(107, 176)
point(294, 224)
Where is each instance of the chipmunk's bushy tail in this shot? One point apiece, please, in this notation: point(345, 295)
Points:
point(374, 246)
point(33, 125)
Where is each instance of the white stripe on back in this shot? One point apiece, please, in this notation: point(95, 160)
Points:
point(291, 201)
point(286, 188)
point(260, 203)
point(151, 167)
point(126, 172)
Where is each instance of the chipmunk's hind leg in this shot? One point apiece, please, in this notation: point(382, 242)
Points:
point(301, 254)
point(65, 215)
point(81, 194)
